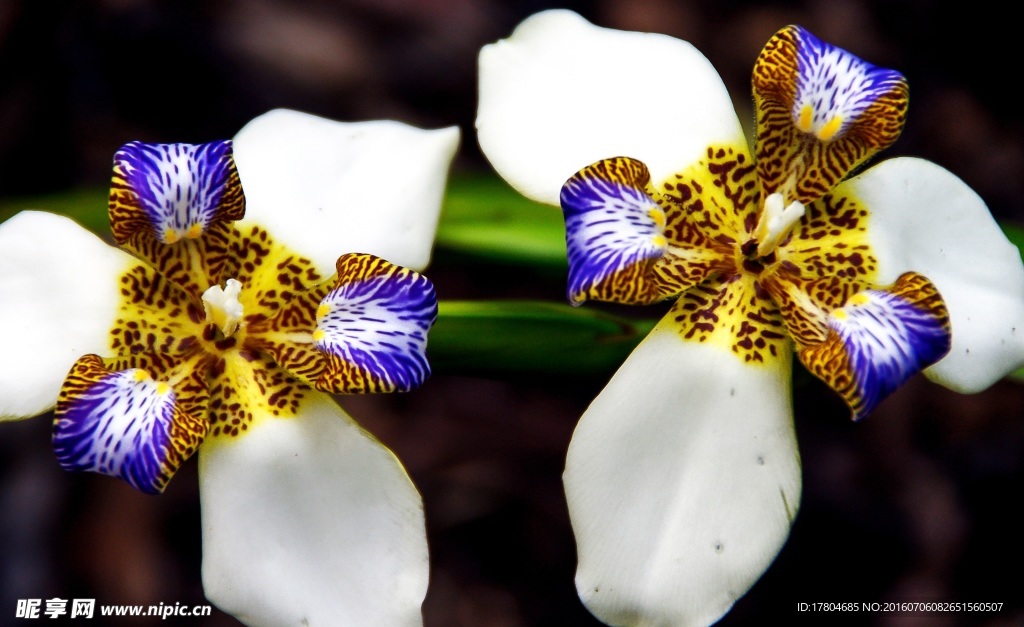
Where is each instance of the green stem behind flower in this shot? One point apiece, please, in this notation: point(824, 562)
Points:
point(483, 220)
point(530, 337)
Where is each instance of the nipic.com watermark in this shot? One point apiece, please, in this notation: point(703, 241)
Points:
point(87, 608)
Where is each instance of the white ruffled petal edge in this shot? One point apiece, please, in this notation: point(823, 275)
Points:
point(311, 521)
point(682, 479)
point(324, 188)
point(925, 219)
point(59, 295)
point(561, 93)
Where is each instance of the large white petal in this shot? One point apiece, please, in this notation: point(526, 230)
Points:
point(561, 93)
point(925, 219)
point(682, 480)
point(311, 521)
point(59, 296)
point(324, 188)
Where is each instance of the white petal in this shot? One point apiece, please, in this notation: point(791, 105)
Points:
point(682, 480)
point(561, 93)
point(325, 188)
point(58, 301)
point(310, 521)
point(925, 219)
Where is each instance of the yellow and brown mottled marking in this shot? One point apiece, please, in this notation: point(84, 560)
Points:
point(825, 262)
point(714, 202)
point(710, 208)
point(736, 314)
point(161, 326)
point(287, 338)
point(243, 388)
point(154, 318)
point(271, 273)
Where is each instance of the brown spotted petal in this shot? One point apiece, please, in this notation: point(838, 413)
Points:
point(630, 244)
point(879, 339)
point(614, 233)
point(826, 260)
point(372, 327)
point(821, 112)
point(288, 337)
point(124, 424)
point(170, 202)
point(364, 331)
point(736, 315)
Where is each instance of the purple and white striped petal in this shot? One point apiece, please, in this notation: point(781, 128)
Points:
point(821, 112)
point(879, 339)
point(922, 218)
point(173, 191)
point(835, 88)
point(614, 231)
point(372, 327)
point(123, 424)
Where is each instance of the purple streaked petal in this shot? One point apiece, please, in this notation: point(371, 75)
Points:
point(123, 424)
point(821, 112)
point(173, 191)
point(835, 88)
point(372, 327)
point(879, 340)
point(614, 232)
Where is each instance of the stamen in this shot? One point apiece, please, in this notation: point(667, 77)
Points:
point(223, 307)
point(776, 222)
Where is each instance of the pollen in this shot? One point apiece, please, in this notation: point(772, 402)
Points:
point(806, 118)
point(830, 129)
point(658, 215)
point(141, 375)
point(840, 314)
point(194, 231)
point(322, 310)
point(318, 335)
point(171, 236)
point(162, 388)
point(859, 299)
point(659, 241)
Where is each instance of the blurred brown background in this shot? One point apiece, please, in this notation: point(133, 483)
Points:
point(919, 502)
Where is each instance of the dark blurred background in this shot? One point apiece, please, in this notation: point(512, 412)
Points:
point(919, 502)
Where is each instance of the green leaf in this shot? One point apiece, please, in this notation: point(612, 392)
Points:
point(482, 217)
point(1015, 234)
point(530, 337)
point(88, 207)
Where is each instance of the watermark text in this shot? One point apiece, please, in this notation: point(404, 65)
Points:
point(86, 608)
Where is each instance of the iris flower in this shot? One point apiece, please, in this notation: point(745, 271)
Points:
point(683, 476)
point(221, 325)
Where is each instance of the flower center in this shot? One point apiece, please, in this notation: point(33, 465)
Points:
point(223, 307)
point(776, 223)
